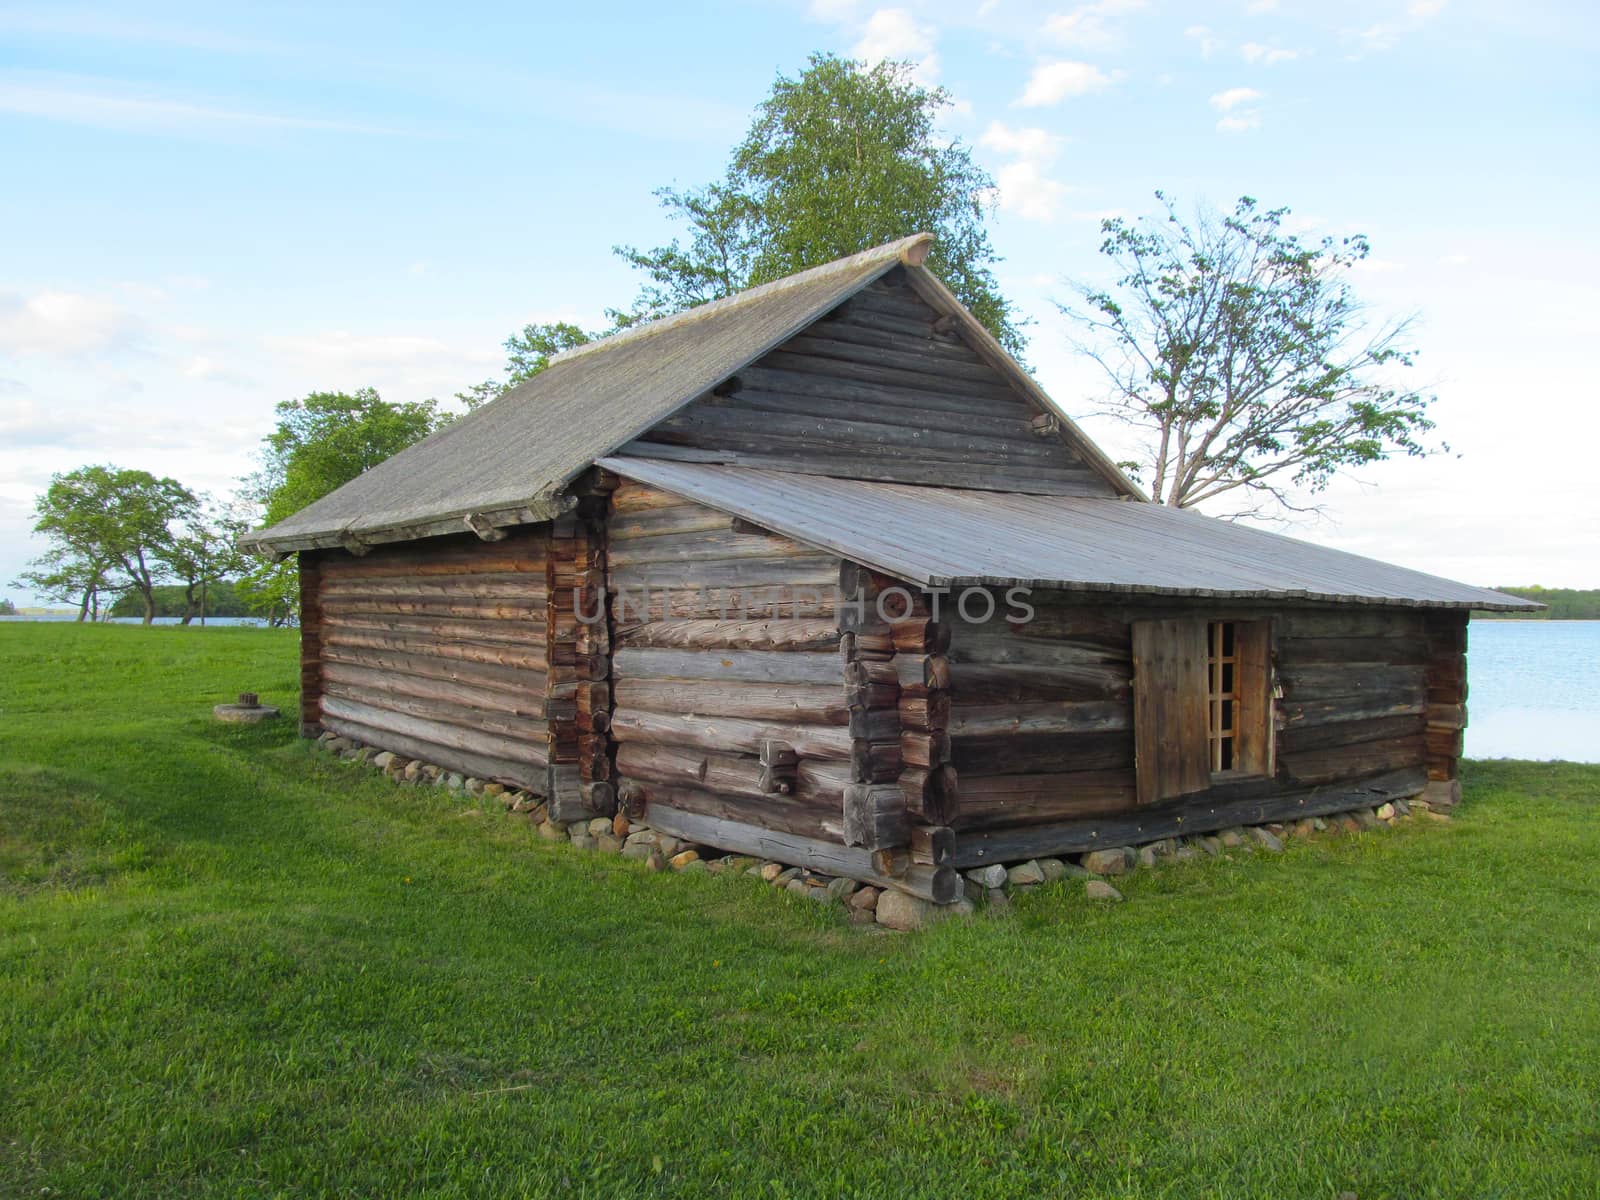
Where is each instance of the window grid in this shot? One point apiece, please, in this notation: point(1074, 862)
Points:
point(1222, 700)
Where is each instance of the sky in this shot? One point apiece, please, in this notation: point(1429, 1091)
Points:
point(212, 208)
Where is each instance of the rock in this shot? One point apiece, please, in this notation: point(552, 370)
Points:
point(1276, 828)
point(1025, 873)
point(643, 837)
point(842, 888)
point(620, 826)
point(1115, 861)
point(1402, 806)
point(862, 916)
point(988, 877)
point(1185, 854)
point(494, 789)
point(474, 786)
point(1349, 824)
point(1231, 839)
point(413, 769)
point(1384, 812)
point(972, 890)
point(741, 862)
point(1303, 828)
point(753, 871)
point(681, 860)
point(770, 871)
point(1052, 869)
point(1148, 856)
point(1444, 818)
point(455, 782)
point(961, 908)
point(637, 850)
point(609, 842)
point(539, 814)
point(382, 761)
point(657, 861)
point(669, 845)
point(999, 902)
point(551, 832)
point(785, 876)
point(819, 894)
point(1211, 845)
point(697, 867)
point(1099, 889)
point(866, 899)
point(1364, 819)
point(600, 827)
point(244, 714)
point(397, 767)
point(578, 828)
point(896, 910)
point(1268, 840)
point(716, 866)
point(582, 841)
point(1318, 824)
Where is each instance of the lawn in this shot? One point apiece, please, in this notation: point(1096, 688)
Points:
point(232, 966)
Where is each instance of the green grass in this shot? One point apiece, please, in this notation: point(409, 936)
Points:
point(230, 966)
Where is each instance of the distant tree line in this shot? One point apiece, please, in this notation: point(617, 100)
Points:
point(223, 599)
point(1561, 604)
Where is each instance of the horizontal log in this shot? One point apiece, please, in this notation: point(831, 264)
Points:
point(1029, 754)
point(1301, 738)
point(924, 749)
point(940, 885)
point(728, 734)
point(702, 546)
point(433, 565)
point(1194, 815)
point(523, 703)
point(1385, 651)
point(529, 776)
point(929, 712)
point(811, 572)
point(1336, 709)
point(521, 589)
point(998, 425)
point(896, 354)
point(796, 703)
point(932, 845)
point(769, 378)
point(1053, 716)
point(516, 682)
point(1347, 623)
point(530, 658)
point(728, 774)
point(438, 733)
point(435, 609)
point(773, 813)
point(972, 684)
point(631, 605)
point(755, 634)
point(447, 712)
point(867, 326)
point(514, 633)
point(747, 666)
point(925, 377)
point(1002, 801)
point(627, 527)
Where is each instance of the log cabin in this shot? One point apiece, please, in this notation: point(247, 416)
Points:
point(818, 573)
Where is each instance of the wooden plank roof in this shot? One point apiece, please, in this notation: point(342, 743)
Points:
point(509, 462)
point(948, 537)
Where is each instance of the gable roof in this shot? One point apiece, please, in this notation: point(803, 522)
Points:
point(949, 537)
point(508, 462)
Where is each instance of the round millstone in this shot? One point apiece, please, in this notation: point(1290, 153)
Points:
point(244, 714)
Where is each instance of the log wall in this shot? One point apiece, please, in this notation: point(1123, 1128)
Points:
point(1042, 721)
point(883, 388)
point(727, 687)
point(436, 650)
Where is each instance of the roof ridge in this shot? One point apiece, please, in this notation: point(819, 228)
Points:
point(903, 250)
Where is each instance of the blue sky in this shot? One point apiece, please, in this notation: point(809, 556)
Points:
point(211, 208)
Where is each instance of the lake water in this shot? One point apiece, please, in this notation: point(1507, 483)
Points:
point(224, 622)
point(1533, 690)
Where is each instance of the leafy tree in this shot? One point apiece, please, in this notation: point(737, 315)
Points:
point(1245, 355)
point(528, 352)
point(65, 574)
point(7, 609)
point(320, 443)
point(108, 523)
point(842, 158)
point(202, 553)
point(172, 600)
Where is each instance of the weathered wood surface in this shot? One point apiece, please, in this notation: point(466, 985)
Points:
point(939, 884)
point(875, 391)
point(728, 733)
point(1192, 815)
point(785, 703)
point(435, 732)
point(998, 801)
point(738, 666)
point(471, 696)
point(753, 634)
point(1169, 690)
point(529, 776)
point(311, 649)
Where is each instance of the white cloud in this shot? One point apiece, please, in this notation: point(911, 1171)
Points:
point(1054, 81)
point(1236, 105)
point(1092, 26)
point(1232, 98)
point(64, 324)
point(1255, 52)
point(1209, 42)
point(1413, 17)
point(1024, 186)
point(894, 34)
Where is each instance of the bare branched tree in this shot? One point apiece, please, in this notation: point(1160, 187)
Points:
point(1246, 356)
